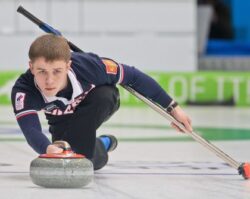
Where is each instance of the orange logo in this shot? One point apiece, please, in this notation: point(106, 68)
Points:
point(111, 66)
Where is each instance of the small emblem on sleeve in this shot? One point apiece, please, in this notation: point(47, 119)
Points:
point(19, 103)
point(111, 66)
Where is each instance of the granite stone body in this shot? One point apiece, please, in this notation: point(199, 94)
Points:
point(61, 172)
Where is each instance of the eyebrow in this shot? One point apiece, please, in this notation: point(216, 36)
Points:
point(59, 68)
point(40, 69)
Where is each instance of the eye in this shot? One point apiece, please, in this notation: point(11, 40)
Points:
point(41, 72)
point(57, 72)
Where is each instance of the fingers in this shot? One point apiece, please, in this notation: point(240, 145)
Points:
point(188, 124)
point(187, 127)
point(181, 117)
point(176, 127)
point(53, 149)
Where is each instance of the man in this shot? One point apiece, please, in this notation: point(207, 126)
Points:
point(77, 92)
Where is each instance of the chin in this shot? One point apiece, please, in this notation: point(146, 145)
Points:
point(49, 94)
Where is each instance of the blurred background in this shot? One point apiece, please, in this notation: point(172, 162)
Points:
point(197, 50)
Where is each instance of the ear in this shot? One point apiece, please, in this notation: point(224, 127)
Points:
point(31, 67)
point(69, 64)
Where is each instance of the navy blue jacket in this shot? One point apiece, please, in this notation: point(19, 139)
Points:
point(87, 71)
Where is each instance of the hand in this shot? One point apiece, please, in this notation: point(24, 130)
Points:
point(53, 149)
point(181, 116)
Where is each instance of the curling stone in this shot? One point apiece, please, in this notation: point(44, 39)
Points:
point(61, 170)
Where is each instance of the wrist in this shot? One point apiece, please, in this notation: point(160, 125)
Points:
point(171, 106)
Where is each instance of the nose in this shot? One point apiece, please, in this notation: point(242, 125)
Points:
point(49, 79)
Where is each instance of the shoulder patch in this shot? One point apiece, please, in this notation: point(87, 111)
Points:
point(111, 66)
point(19, 102)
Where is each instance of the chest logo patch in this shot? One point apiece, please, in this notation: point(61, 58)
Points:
point(111, 66)
point(19, 102)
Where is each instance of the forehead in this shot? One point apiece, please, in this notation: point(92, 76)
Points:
point(41, 63)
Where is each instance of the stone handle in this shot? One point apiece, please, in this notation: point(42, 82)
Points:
point(62, 144)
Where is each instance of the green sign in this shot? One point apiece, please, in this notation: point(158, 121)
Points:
point(7, 80)
point(203, 87)
point(186, 88)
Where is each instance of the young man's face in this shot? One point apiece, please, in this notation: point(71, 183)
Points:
point(51, 76)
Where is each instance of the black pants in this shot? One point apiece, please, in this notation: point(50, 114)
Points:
point(79, 129)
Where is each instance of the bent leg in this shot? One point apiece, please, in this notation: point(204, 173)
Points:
point(80, 128)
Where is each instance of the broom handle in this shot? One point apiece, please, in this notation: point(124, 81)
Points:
point(233, 163)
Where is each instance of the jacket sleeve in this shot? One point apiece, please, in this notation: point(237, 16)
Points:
point(134, 78)
point(143, 84)
point(31, 128)
point(25, 108)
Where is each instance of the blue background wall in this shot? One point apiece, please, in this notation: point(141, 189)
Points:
point(240, 45)
point(241, 18)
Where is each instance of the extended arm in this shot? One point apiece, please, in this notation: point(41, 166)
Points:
point(31, 128)
point(149, 88)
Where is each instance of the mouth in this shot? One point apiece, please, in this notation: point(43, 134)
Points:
point(50, 89)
